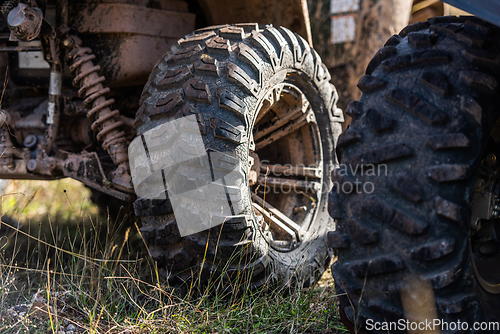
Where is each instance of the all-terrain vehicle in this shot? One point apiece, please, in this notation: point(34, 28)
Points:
point(419, 240)
point(77, 93)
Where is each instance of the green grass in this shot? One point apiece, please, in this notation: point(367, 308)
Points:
point(63, 267)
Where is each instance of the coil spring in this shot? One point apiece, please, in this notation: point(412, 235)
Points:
point(93, 92)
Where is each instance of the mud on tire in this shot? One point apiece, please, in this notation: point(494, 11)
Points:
point(223, 75)
point(430, 99)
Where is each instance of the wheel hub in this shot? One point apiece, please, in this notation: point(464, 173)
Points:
point(286, 166)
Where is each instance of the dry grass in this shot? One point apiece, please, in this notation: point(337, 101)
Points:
point(65, 269)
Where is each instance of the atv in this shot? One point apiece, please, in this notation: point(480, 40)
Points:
point(419, 242)
point(94, 90)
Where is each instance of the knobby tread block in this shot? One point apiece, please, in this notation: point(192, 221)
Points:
point(381, 55)
point(393, 40)
point(361, 232)
point(447, 173)
point(418, 39)
point(430, 57)
point(484, 59)
point(382, 154)
point(449, 141)
point(196, 38)
point(219, 45)
point(223, 129)
point(174, 77)
point(445, 277)
point(456, 304)
point(338, 240)
point(374, 266)
point(185, 54)
point(348, 137)
point(479, 80)
point(369, 83)
point(397, 62)
point(433, 250)
point(413, 27)
point(230, 101)
point(231, 32)
point(449, 210)
point(437, 81)
point(237, 75)
point(407, 187)
point(265, 45)
point(354, 109)
point(379, 122)
point(196, 90)
point(410, 102)
point(477, 26)
point(248, 55)
point(168, 104)
point(469, 105)
point(394, 217)
point(207, 65)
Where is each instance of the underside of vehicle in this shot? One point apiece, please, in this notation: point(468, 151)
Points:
point(84, 79)
point(70, 60)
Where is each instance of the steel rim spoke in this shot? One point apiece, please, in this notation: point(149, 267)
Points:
point(313, 172)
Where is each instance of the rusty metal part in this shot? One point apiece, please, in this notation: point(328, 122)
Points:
point(299, 209)
point(282, 220)
point(287, 139)
point(44, 164)
point(7, 150)
point(292, 170)
point(107, 122)
point(54, 105)
point(135, 38)
point(7, 6)
point(86, 167)
point(286, 130)
point(79, 131)
point(289, 184)
point(20, 48)
point(19, 171)
point(30, 122)
point(25, 22)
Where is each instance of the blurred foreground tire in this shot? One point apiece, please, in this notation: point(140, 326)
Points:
point(418, 238)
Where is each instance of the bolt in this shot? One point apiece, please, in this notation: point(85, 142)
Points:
point(299, 209)
point(30, 142)
point(31, 165)
point(491, 159)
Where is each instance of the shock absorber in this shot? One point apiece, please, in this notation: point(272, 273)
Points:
point(106, 121)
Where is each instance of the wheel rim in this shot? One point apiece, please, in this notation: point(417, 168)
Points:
point(286, 174)
point(485, 229)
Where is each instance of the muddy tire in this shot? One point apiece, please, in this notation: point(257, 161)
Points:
point(230, 77)
point(418, 139)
